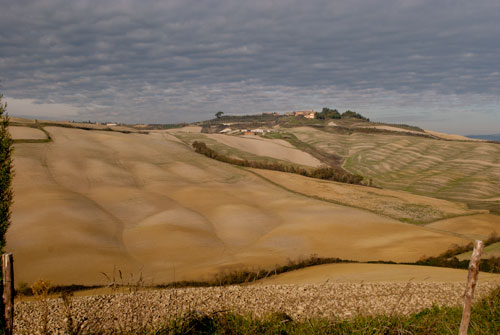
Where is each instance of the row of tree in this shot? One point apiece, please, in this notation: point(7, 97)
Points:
point(327, 113)
point(449, 259)
point(327, 172)
point(491, 264)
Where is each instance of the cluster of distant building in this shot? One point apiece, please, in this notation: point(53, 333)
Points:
point(308, 114)
point(255, 131)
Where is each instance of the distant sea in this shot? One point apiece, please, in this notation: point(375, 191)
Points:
point(492, 137)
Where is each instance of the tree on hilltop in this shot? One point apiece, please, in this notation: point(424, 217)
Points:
point(327, 113)
point(351, 114)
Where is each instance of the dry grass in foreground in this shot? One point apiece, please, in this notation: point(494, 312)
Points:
point(332, 308)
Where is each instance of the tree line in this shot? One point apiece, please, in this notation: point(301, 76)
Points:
point(326, 173)
point(448, 259)
point(327, 113)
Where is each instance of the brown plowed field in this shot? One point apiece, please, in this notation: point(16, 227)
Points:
point(26, 133)
point(360, 273)
point(331, 300)
point(396, 204)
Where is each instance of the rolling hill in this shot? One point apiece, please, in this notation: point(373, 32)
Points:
point(92, 201)
point(464, 171)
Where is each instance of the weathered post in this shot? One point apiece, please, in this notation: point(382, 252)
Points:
point(471, 285)
point(8, 292)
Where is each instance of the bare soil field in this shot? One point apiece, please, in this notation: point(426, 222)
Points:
point(330, 300)
point(390, 128)
point(278, 149)
point(92, 126)
point(476, 226)
point(454, 170)
point(93, 201)
point(452, 136)
point(396, 204)
point(258, 146)
point(15, 119)
point(26, 133)
point(188, 129)
point(444, 136)
point(231, 151)
point(371, 273)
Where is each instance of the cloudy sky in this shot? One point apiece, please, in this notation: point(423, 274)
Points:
point(430, 63)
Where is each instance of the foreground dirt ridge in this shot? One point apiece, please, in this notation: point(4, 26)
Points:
point(330, 300)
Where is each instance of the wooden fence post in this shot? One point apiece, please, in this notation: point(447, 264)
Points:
point(8, 292)
point(471, 284)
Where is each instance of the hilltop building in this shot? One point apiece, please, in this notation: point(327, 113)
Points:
point(308, 114)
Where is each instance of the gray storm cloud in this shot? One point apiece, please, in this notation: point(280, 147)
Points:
point(172, 61)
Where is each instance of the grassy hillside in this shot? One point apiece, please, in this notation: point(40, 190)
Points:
point(455, 170)
point(489, 251)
